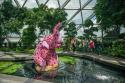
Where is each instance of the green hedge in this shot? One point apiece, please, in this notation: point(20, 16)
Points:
point(117, 49)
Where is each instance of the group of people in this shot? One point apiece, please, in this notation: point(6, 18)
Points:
point(85, 44)
point(89, 45)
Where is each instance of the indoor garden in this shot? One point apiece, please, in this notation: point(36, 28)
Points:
point(62, 41)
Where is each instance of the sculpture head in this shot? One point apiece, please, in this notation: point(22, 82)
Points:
point(54, 38)
point(56, 28)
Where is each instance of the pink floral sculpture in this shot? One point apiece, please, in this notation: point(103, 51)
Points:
point(45, 55)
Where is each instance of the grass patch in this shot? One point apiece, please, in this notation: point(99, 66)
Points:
point(59, 49)
point(30, 51)
point(67, 59)
point(9, 67)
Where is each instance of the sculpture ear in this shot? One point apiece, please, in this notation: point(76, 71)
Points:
point(45, 44)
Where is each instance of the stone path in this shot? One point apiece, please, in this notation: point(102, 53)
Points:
point(11, 56)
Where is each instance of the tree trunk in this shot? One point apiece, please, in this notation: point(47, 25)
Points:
point(102, 33)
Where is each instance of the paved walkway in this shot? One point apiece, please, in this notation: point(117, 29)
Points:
point(11, 56)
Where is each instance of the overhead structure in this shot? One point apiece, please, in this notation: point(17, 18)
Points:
point(78, 10)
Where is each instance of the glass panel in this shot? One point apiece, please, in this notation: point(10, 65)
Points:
point(91, 5)
point(31, 4)
point(99, 33)
point(42, 1)
point(52, 4)
point(1, 1)
point(70, 13)
point(77, 26)
point(21, 2)
point(94, 19)
point(13, 35)
point(14, 39)
point(13, 2)
point(122, 30)
point(86, 14)
point(73, 4)
point(80, 32)
point(62, 2)
point(77, 19)
point(83, 2)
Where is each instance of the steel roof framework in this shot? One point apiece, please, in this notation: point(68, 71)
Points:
point(62, 7)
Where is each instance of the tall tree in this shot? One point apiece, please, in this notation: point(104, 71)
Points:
point(28, 36)
point(13, 19)
point(89, 33)
point(8, 18)
point(110, 14)
point(71, 32)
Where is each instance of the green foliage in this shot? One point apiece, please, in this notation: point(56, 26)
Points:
point(18, 50)
point(9, 15)
point(31, 18)
point(89, 32)
point(46, 18)
point(88, 23)
point(13, 26)
point(110, 13)
point(29, 51)
point(55, 16)
point(122, 36)
point(5, 49)
point(70, 33)
point(14, 18)
point(10, 19)
point(71, 30)
point(1, 39)
point(67, 44)
point(117, 49)
point(7, 10)
point(28, 37)
point(67, 59)
point(41, 19)
point(59, 49)
point(9, 67)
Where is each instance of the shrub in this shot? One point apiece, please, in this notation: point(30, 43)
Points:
point(5, 49)
point(122, 35)
point(117, 49)
point(30, 51)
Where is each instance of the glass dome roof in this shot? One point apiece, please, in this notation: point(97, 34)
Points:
point(78, 10)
